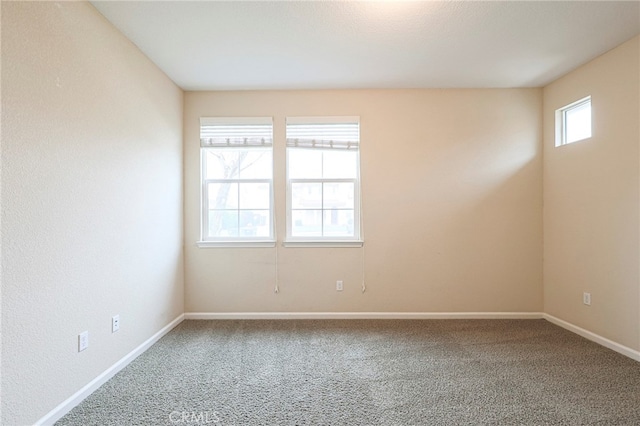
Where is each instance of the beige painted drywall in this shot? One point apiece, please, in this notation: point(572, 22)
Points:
point(91, 201)
point(452, 207)
point(591, 200)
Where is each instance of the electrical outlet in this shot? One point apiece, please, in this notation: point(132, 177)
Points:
point(115, 323)
point(339, 286)
point(586, 299)
point(83, 341)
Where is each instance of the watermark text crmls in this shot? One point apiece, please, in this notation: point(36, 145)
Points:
point(194, 417)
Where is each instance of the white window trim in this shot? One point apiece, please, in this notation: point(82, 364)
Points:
point(235, 244)
point(231, 242)
point(323, 243)
point(329, 241)
point(561, 122)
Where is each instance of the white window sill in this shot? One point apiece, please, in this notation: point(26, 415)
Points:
point(323, 243)
point(235, 244)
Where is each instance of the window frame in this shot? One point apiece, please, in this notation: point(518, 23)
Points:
point(561, 121)
point(324, 241)
point(207, 240)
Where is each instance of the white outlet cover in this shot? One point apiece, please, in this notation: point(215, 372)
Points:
point(586, 298)
point(83, 341)
point(115, 323)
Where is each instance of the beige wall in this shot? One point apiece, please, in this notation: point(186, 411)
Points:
point(91, 201)
point(591, 200)
point(452, 203)
point(452, 207)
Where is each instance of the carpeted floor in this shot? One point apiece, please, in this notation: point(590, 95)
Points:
point(369, 372)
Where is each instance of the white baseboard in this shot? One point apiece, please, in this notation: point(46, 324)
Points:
point(359, 315)
point(75, 399)
point(624, 350)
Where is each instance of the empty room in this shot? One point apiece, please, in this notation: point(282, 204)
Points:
point(320, 213)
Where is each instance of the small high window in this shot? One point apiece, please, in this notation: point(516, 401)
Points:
point(573, 122)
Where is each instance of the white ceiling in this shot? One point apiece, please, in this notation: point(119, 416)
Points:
point(211, 45)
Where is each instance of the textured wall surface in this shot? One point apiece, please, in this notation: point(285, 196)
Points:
point(591, 200)
point(91, 201)
point(452, 207)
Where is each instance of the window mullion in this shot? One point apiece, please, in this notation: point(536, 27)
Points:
point(238, 206)
point(322, 207)
point(205, 209)
point(322, 194)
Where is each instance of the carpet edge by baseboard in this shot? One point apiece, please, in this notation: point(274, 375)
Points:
point(75, 399)
point(67, 405)
point(360, 315)
point(603, 341)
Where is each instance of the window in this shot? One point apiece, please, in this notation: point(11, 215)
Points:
point(237, 180)
point(323, 180)
point(573, 122)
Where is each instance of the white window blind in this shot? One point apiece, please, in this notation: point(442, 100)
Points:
point(236, 132)
point(323, 132)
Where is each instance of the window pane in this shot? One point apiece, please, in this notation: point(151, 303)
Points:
point(222, 163)
point(223, 223)
point(338, 223)
point(340, 163)
point(304, 163)
point(255, 196)
point(223, 196)
point(338, 195)
point(255, 223)
point(578, 122)
point(306, 223)
point(256, 164)
point(306, 195)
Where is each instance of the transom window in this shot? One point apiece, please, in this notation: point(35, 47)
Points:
point(237, 179)
point(323, 179)
point(573, 122)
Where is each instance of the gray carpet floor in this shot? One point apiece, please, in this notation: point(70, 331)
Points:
point(369, 372)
